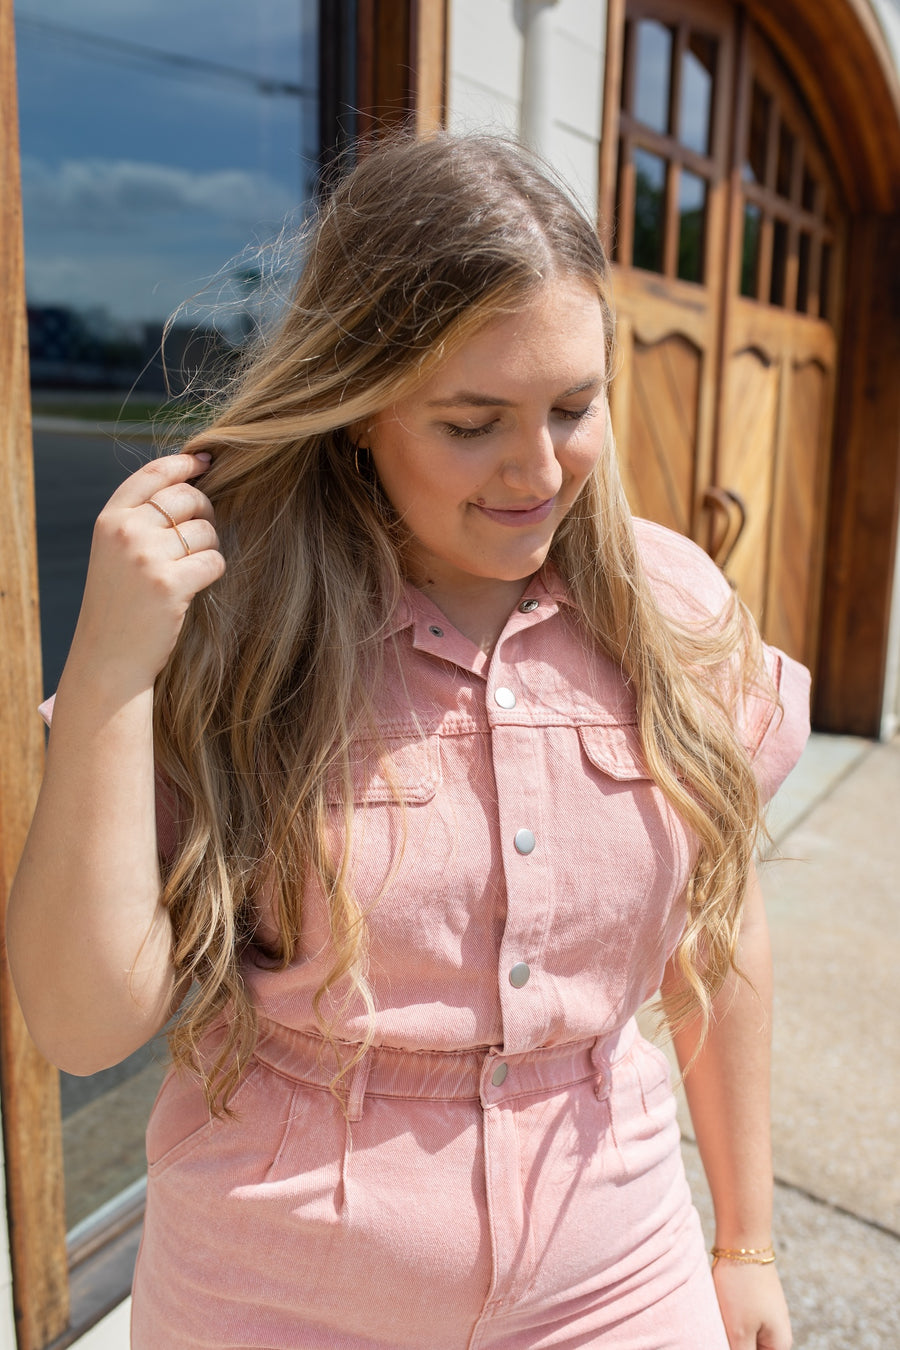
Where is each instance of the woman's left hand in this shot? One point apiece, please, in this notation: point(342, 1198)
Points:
point(753, 1306)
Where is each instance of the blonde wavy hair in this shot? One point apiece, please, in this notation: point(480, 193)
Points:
point(419, 247)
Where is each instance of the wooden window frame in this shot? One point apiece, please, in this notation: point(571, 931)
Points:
point(401, 63)
point(840, 63)
point(681, 17)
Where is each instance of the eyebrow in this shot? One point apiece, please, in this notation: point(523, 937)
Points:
point(468, 398)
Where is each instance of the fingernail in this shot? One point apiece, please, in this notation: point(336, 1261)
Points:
point(204, 455)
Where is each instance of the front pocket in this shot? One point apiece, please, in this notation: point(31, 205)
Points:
point(180, 1120)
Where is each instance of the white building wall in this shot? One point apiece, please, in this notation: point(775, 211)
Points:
point(888, 12)
point(7, 1319)
point(486, 65)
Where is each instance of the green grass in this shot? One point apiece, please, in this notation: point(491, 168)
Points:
point(112, 409)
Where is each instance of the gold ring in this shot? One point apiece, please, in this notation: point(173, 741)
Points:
point(171, 519)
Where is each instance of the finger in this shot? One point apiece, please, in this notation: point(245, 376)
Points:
point(199, 570)
point(156, 475)
point(189, 538)
point(182, 502)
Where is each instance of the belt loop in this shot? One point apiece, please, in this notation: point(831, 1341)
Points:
point(356, 1096)
point(601, 1066)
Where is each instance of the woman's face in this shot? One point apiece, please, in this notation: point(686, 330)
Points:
point(483, 461)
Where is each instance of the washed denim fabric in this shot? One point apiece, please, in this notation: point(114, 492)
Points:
point(505, 1171)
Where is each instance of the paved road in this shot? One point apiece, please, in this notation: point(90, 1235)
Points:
point(75, 473)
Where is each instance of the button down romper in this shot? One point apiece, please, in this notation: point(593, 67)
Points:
point(507, 1173)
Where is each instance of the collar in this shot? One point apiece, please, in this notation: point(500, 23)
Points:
point(415, 607)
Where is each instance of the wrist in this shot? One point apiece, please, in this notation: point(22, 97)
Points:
point(761, 1255)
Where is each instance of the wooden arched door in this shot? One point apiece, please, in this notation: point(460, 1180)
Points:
point(727, 245)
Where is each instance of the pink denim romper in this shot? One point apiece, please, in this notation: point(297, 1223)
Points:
point(507, 1173)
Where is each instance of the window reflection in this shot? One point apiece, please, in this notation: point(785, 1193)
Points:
point(803, 266)
point(809, 190)
point(758, 140)
point(750, 249)
point(653, 67)
point(785, 162)
point(779, 263)
point(692, 216)
point(697, 74)
point(157, 140)
point(825, 282)
point(649, 209)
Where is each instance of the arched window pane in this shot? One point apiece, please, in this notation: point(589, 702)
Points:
point(786, 150)
point(754, 170)
point(652, 74)
point(649, 210)
point(804, 258)
point(750, 249)
point(697, 76)
point(779, 263)
point(692, 218)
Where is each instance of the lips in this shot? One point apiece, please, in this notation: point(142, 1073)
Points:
point(532, 515)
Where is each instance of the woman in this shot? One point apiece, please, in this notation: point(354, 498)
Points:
point(456, 765)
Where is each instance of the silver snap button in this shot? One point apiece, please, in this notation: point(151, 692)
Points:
point(524, 841)
point(527, 606)
point(498, 1077)
point(504, 697)
point(519, 975)
point(435, 631)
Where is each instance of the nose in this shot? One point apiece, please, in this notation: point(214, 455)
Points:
point(534, 468)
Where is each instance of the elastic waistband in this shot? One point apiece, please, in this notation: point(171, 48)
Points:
point(490, 1075)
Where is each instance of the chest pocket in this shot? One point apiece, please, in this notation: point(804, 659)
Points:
point(615, 749)
point(399, 769)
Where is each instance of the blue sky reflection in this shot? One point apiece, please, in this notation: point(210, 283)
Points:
point(144, 176)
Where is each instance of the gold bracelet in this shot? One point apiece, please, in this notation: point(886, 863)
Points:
point(748, 1256)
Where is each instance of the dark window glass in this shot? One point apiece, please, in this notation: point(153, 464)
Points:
point(652, 74)
point(697, 77)
point(808, 197)
point(825, 282)
point(692, 219)
point(779, 263)
point(804, 257)
point(750, 249)
point(158, 140)
point(758, 139)
point(785, 162)
point(649, 210)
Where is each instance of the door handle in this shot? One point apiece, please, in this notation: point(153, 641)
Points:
point(729, 511)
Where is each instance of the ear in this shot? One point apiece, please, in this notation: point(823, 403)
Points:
point(359, 434)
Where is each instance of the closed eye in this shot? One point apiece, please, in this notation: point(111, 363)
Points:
point(576, 414)
point(468, 433)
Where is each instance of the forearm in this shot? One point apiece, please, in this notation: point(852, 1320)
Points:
point(89, 942)
point(728, 1090)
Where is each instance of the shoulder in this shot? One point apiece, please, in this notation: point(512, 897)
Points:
point(772, 715)
point(687, 585)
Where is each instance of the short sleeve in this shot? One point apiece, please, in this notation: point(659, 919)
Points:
point(167, 831)
point(772, 726)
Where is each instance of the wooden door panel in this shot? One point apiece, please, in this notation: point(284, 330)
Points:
point(663, 398)
point(658, 466)
point(774, 440)
point(798, 521)
point(750, 421)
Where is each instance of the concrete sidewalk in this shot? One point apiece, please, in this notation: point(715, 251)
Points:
point(833, 897)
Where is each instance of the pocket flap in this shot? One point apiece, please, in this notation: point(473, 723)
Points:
point(408, 771)
point(615, 750)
